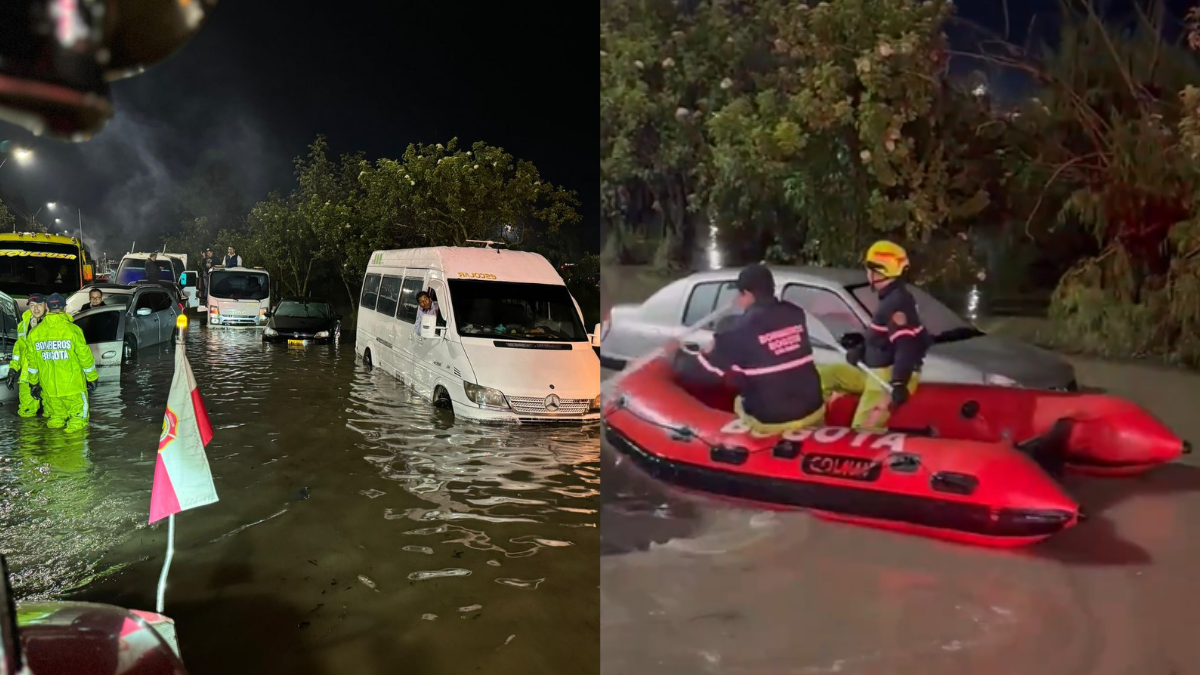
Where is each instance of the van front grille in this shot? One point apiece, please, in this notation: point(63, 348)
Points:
point(537, 406)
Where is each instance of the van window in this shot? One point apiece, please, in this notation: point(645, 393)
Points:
point(133, 270)
point(408, 299)
point(389, 291)
point(542, 312)
point(370, 292)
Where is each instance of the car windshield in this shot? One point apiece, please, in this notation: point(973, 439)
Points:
point(99, 326)
point(542, 312)
point(38, 267)
point(943, 323)
point(297, 309)
point(239, 285)
point(133, 270)
point(78, 300)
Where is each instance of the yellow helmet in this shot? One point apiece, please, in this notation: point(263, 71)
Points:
point(886, 259)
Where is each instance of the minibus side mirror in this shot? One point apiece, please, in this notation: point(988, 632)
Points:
point(428, 327)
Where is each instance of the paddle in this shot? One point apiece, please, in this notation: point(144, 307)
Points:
point(658, 353)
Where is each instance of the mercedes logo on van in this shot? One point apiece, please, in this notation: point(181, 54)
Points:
point(552, 402)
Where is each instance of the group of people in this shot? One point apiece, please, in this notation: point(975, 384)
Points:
point(51, 364)
point(208, 263)
point(767, 356)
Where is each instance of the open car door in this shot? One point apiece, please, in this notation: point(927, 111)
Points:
point(104, 328)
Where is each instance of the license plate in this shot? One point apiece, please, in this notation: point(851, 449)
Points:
point(297, 343)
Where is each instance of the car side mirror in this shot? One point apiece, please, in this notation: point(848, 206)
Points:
point(145, 311)
point(596, 336)
point(851, 341)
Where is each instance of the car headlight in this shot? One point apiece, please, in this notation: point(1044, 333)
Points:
point(595, 404)
point(322, 334)
point(270, 332)
point(485, 397)
point(996, 380)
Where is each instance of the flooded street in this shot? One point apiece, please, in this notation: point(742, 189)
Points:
point(691, 584)
point(358, 529)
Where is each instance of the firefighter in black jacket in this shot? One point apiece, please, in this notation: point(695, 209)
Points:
point(766, 356)
point(894, 346)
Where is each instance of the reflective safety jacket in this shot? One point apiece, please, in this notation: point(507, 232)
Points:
point(20, 353)
point(766, 355)
point(896, 337)
point(60, 359)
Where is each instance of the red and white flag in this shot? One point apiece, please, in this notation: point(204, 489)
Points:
point(182, 479)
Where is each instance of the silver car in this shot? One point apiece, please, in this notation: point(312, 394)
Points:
point(131, 317)
point(842, 300)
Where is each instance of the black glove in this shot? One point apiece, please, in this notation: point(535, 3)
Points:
point(13, 377)
point(91, 386)
point(899, 394)
point(855, 355)
point(35, 390)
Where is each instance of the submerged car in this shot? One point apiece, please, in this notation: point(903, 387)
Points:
point(843, 300)
point(302, 321)
point(129, 318)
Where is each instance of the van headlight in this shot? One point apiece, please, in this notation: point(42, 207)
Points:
point(321, 334)
point(270, 332)
point(595, 404)
point(485, 397)
point(996, 380)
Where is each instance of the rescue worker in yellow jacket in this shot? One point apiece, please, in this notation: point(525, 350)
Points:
point(894, 347)
point(61, 369)
point(20, 356)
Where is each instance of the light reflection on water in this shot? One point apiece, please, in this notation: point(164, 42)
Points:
point(509, 492)
point(495, 510)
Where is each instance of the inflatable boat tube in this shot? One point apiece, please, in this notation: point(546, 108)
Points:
point(1089, 433)
point(973, 492)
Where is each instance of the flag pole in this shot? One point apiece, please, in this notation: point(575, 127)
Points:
point(162, 578)
point(180, 331)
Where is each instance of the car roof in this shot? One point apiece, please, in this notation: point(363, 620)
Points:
point(839, 276)
point(108, 287)
point(299, 299)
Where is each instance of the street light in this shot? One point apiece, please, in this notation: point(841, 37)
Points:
point(23, 155)
point(52, 205)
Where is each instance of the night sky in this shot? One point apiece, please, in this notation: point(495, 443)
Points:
point(258, 84)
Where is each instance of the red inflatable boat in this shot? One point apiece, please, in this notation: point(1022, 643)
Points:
point(961, 463)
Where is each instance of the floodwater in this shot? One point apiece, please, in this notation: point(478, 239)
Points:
point(358, 529)
point(694, 585)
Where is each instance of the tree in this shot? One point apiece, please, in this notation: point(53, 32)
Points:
point(457, 195)
point(809, 130)
point(7, 219)
point(1107, 147)
point(281, 240)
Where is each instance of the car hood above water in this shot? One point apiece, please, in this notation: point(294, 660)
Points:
point(304, 324)
point(1030, 366)
point(574, 373)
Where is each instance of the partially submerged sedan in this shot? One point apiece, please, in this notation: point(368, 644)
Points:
point(130, 318)
point(302, 321)
point(842, 300)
